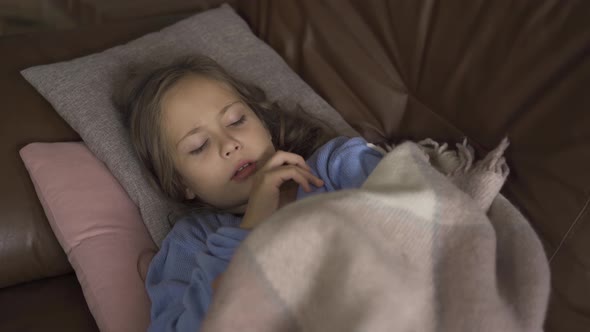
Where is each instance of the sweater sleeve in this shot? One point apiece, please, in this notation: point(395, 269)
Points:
point(343, 163)
point(180, 275)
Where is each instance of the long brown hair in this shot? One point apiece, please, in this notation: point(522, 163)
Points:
point(140, 101)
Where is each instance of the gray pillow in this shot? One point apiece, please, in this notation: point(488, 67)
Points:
point(81, 92)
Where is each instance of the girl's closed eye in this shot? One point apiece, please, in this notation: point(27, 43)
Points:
point(239, 122)
point(201, 148)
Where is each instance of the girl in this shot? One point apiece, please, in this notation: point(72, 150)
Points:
point(232, 158)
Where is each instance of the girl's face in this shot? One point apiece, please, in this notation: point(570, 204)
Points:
point(211, 133)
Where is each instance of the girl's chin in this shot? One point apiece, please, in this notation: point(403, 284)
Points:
point(240, 209)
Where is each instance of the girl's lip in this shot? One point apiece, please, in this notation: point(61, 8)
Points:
point(245, 173)
point(242, 163)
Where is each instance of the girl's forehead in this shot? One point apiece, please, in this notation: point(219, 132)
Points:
point(195, 93)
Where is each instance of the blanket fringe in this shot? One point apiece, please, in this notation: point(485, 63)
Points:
point(481, 179)
point(462, 161)
point(495, 160)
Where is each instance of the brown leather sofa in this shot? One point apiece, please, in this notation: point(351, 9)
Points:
point(395, 70)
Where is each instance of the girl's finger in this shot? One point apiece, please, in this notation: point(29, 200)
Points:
point(311, 177)
point(284, 174)
point(304, 177)
point(300, 179)
point(281, 158)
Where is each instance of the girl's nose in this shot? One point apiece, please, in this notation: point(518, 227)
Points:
point(231, 147)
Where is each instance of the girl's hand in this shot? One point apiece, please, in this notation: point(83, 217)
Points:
point(264, 198)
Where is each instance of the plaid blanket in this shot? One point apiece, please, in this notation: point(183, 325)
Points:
point(426, 244)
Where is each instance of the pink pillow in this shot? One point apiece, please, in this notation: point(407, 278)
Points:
point(99, 228)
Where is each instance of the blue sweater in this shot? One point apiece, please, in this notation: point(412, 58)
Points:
point(200, 246)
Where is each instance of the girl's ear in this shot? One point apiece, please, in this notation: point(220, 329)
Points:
point(189, 194)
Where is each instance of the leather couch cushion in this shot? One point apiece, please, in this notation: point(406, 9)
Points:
point(410, 69)
point(53, 304)
point(28, 248)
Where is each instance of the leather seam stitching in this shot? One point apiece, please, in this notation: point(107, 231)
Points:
point(574, 223)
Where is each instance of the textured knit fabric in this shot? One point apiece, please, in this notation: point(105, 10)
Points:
point(412, 249)
point(199, 247)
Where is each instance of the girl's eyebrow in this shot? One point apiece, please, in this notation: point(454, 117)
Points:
point(197, 129)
